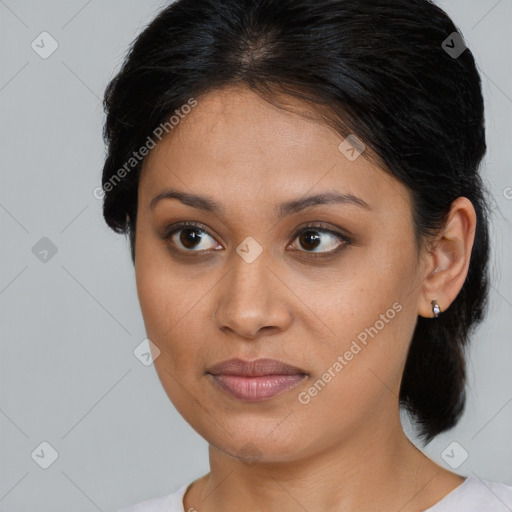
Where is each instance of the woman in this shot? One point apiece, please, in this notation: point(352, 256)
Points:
point(299, 182)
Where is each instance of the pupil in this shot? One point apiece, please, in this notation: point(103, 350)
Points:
point(188, 241)
point(306, 238)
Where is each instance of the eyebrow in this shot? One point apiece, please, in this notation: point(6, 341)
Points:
point(290, 207)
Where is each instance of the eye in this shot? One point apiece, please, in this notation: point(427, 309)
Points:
point(190, 237)
point(316, 238)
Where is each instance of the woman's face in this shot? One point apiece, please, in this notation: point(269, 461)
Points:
point(341, 308)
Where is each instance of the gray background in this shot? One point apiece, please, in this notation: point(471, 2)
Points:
point(69, 325)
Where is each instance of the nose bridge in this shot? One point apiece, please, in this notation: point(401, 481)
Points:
point(250, 299)
point(249, 280)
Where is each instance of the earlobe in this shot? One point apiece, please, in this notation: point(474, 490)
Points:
point(450, 256)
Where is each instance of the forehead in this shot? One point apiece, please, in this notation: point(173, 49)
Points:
point(234, 144)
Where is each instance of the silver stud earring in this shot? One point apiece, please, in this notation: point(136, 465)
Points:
point(435, 308)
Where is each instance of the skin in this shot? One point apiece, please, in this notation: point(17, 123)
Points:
point(345, 449)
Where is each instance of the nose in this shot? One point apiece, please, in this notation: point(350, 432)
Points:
point(252, 300)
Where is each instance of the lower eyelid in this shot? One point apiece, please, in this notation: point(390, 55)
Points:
point(343, 242)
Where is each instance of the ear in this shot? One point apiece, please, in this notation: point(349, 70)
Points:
point(447, 260)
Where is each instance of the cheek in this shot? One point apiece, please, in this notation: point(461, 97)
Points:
point(172, 306)
point(157, 292)
point(159, 286)
point(371, 319)
point(172, 324)
point(357, 377)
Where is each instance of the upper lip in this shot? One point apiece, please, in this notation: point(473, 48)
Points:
point(255, 368)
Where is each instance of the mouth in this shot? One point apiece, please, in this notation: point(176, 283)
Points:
point(255, 381)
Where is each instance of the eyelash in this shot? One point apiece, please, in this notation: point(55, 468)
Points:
point(319, 227)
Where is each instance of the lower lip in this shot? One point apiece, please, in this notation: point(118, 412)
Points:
point(257, 389)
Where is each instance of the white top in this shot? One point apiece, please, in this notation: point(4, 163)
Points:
point(473, 495)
